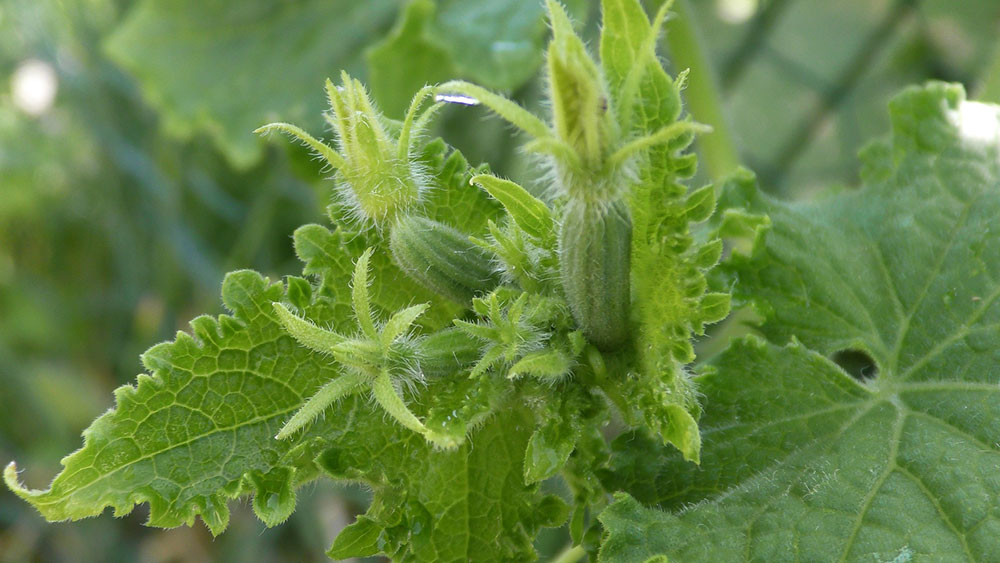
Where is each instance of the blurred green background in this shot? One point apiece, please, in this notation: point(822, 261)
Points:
point(130, 181)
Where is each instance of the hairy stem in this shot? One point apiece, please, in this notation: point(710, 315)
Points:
point(470, 94)
point(295, 132)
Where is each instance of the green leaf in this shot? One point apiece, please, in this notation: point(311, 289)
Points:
point(561, 427)
point(548, 450)
point(496, 43)
point(528, 212)
point(624, 37)
point(277, 502)
point(409, 58)
point(198, 430)
point(327, 254)
point(700, 205)
point(454, 201)
point(989, 88)
point(646, 98)
point(798, 454)
point(360, 539)
point(457, 505)
point(211, 68)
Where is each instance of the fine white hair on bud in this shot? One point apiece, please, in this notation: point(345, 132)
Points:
point(378, 178)
point(381, 181)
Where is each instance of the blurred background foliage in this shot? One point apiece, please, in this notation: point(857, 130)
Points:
point(130, 181)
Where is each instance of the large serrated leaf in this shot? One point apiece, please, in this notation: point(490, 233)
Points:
point(462, 505)
point(198, 430)
point(800, 460)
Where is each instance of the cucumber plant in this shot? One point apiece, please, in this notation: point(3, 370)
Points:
point(491, 360)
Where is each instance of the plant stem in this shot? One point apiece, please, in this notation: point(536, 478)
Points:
point(571, 554)
point(718, 151)
point(989, 89)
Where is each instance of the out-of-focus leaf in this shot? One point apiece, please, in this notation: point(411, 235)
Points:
point(990, 87)
point(496, 43)
point(226, 68)
point(411, 57)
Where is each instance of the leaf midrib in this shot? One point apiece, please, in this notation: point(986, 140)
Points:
point(150, 455)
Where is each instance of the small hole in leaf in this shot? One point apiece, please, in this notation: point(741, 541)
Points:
point(857, 363)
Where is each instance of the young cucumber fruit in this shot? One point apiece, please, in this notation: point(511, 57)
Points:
point(447, 352)
point(595, 242)
point(442, 259)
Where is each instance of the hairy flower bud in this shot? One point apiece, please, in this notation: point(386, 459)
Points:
point(581, 113)
point(594, 257)
point(442, 259)
point(380, 181)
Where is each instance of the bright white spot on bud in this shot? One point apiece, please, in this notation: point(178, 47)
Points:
point(33, 86)
point(976, 122)
point(735, 11)
point(456, 99)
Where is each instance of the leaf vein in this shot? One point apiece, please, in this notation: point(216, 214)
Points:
point(866, 504)
point(940, 510)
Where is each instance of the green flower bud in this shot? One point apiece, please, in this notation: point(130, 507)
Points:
point(594, 255)
point(377, 177)
point(582, 115)
point(442, 259)
point(380, 181)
